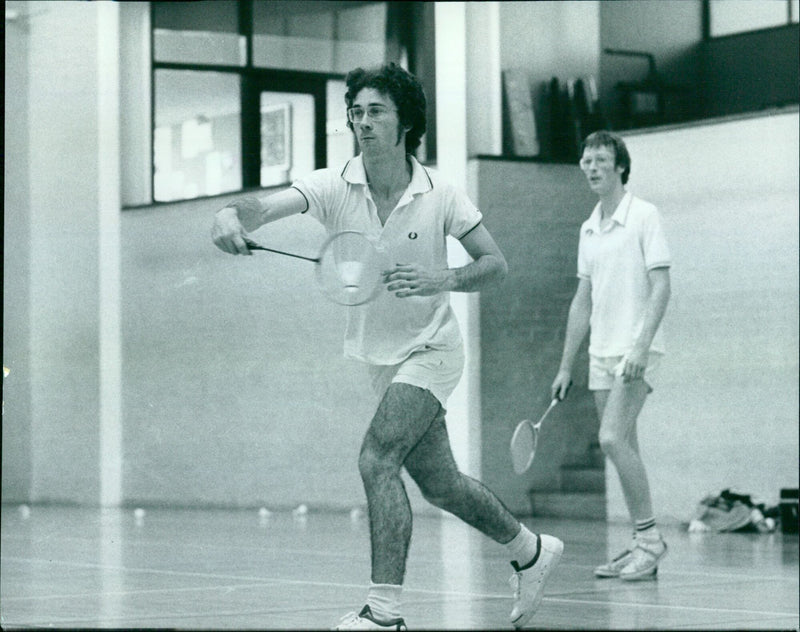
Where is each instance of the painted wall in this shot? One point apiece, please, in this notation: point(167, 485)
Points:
point(726, 410)
point(751, 71)
point(61, 192)
point(236, 391)
point(560, 39)
point(550, 39)
point(16, 470)
point(175, 322)
point(724, 76)
point(135, 116)
point(669, 29)
point(535, 211)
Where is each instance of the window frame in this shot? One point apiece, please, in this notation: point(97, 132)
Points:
point(252, 81)
point(706, 18)
point(409, 26)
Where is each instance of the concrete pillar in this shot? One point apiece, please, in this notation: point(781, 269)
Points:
point(469, 120)
point(74, 175)
point(451, 143)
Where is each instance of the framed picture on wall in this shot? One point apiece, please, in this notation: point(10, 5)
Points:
point(519, 112)
point(276, 143)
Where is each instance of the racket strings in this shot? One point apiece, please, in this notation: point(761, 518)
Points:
point(523, 446)
point(350, 268)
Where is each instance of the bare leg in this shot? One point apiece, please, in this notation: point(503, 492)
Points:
point(618, 410)
point(408, 429)
point(403, 417)
point(433, 468)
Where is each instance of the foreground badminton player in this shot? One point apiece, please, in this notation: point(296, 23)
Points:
point(623, 290)
point(408, 336)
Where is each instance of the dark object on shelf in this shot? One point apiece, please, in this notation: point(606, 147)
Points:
point(644, 102)
point(574, 114)
point(519, 113)
point(788, 505)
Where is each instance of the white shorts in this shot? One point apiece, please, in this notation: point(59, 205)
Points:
point(604, 370)
point(436, 370)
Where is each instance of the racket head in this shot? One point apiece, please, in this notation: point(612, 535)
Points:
point(525, 439)
point(349, 269)
point(523, 445)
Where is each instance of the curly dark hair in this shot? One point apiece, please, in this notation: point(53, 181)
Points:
point(403, 88)
point(603, 138)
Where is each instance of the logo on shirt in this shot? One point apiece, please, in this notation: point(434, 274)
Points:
point(412, 235)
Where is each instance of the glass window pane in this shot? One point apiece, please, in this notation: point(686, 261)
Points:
point(199, 15)
point(287, 137)
point(318, 36)
point(199, 47)
point(340, 139)
point(361, 36)
point(739, 16)
point(795, 10)
point(204, 32)
point(197, 142)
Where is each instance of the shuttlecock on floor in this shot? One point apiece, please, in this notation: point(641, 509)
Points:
point(300, 510)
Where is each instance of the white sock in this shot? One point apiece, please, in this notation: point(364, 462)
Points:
point(384, 600)
point(524, 547)
point(647, 533)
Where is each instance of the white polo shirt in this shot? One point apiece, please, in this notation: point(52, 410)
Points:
point(616, 260)
point(389, 329)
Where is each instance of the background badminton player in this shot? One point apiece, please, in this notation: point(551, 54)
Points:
point(623, 290)
point(408, 336)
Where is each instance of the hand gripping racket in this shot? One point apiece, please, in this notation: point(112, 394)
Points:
point(348, 269)
point(526, 437)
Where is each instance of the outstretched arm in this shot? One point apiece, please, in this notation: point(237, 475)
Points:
point(245, 214)
point(488, 266)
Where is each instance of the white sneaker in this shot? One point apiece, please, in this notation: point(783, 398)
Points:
point(613, 568)
point(365, 620)
point(528, 583)
point(643, 562)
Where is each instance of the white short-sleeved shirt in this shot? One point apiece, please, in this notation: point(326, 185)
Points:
point(389, 329)
point(616, 260)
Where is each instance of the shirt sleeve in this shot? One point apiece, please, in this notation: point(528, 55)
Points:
point(461, 215)
point(316, 188)
point(584, 271)
point(654, 243)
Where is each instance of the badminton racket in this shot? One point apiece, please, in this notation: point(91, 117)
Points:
point(348, 268)
point(526, 437)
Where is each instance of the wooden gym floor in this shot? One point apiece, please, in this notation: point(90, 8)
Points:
point(83, 568)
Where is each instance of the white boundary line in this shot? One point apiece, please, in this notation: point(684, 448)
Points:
point(443, 593)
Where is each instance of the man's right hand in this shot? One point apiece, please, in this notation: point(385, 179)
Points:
point(228, 233)
point(561, 384)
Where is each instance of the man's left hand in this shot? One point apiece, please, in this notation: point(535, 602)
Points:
point(635, 364)
point(410, 279)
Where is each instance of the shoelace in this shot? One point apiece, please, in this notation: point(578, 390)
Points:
point(350, 617)
point(621, 555)
point(515, 583)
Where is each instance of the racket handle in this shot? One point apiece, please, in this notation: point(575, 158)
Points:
point(566, 391)
point(255, 246)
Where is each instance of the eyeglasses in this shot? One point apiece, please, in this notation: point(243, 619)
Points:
point(374, 112)
point(600, 161)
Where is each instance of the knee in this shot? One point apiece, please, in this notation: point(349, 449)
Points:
point(439, 492)
point(373, 464)
point(616, 443)
point(610, 442)
point(434, 496)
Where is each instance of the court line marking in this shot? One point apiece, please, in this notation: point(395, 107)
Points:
point(407, 589)
point(706, 574)
point(658, 606)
